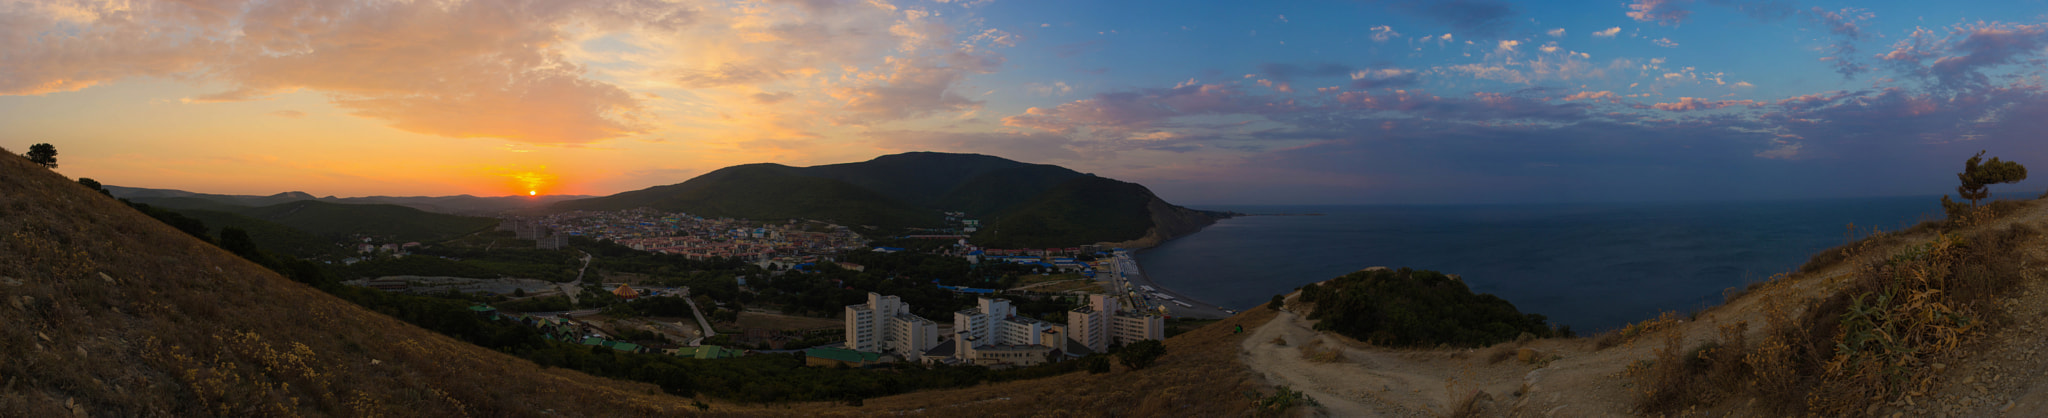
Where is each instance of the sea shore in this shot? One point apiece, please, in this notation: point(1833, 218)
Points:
point(1126, 277)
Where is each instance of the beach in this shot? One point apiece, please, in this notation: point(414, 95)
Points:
point(1126, 277)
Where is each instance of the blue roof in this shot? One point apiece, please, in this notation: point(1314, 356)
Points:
point(889, 248)
point(964, 289)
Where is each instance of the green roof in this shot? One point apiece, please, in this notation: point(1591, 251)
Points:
point(623, 346)
point(842, 354)
point(482, 308)
point(593, 341)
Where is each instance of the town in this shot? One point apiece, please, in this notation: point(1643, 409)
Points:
point(967, 305)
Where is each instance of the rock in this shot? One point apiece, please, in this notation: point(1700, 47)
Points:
point(1939, 366)
point(10, 281)
point(1872, 410)
point(109, 279)
point(2008, 406)
point(1969, 379)
point(1528, 355)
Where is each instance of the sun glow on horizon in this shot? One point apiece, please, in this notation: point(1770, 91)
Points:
point(531, 181)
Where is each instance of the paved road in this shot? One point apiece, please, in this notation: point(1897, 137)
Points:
point(1126, 276)
point(575, 288)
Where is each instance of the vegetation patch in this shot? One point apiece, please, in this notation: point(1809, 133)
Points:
point(1417, 308)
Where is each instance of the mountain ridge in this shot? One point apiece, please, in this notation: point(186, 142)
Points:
point(1042, 204)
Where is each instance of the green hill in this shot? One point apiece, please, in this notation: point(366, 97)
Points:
point(1033, 204)
point(270, 236)
point(389, 222)
point(1082, 210)
point(767, 192)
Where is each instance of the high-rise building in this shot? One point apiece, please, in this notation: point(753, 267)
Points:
point(1103, 323)
point(885, 325)
point(992, 333)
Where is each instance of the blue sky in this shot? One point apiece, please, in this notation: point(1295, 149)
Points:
point(1303, 102)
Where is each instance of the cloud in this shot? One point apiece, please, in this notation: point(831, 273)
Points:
point(1481, 17)
point(1384, 78)
point(1664, 12)
point(1057, 88)
point(1960, 64)
point(1383, 33)
point(1609, 33)
point(1508, 45)
point(1556, 33)
point(1120, 113)
point(1664, 42)
point(1687, 104)
point(915, 87)
point(771, 98)
point(1609, 96)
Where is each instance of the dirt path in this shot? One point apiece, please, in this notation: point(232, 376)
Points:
point(2006, 375)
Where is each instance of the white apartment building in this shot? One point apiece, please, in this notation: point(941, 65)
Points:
point(992, 333)
point(1102, 323)
point(885, 325)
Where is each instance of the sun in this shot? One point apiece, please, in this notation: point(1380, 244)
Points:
point(532, 192)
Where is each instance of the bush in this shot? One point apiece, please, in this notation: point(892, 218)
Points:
point(1417, 308)
point(1279, 301)
point(1140, 355)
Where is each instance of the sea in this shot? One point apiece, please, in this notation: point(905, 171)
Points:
point(1590, 266)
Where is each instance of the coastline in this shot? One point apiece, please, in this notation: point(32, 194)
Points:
point(1135, 277)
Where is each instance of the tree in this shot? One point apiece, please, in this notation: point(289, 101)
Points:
point(44, 154)
point(1278, 302)
point(95, 185)
point(1977, 179)
point(1140, 354)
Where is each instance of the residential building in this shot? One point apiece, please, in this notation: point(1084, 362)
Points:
point(1103, 323)
point(885, 325)
point(992, 334)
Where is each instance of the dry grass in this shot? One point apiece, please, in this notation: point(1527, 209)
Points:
point(1909, 299)
point(1627, 335)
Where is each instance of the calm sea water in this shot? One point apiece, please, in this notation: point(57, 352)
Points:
point(1593, 267)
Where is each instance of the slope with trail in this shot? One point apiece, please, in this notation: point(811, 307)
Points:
point(2000, 373)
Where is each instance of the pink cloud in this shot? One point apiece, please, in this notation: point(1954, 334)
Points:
point(1609, 96)
point(1664, 12)
point(1687, 104)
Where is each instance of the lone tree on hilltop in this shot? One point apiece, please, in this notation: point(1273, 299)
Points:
point(1977, 177)
point(43, 153)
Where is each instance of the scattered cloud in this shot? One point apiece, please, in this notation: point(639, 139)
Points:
point(1383, 33)
point(1664, 12)
point(1609, 33)
point(1664, 42)
point(1556, 33)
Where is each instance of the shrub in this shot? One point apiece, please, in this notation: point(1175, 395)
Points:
point(1140, 355)
point(1417, 308)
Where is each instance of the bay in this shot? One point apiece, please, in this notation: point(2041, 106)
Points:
point(1590, 266)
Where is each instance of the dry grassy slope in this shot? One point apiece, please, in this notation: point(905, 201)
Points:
point(1582, 380)
point(106, 312)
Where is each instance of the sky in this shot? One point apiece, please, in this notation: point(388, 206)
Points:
point(1205, 102)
